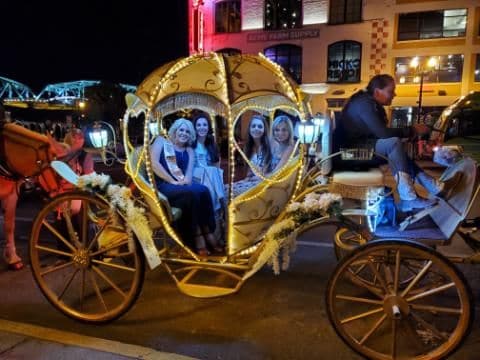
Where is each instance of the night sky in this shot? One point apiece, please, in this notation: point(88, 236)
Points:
point(45, 42)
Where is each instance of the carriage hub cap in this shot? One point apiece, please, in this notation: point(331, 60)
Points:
point(395, 307)
point(81, 258)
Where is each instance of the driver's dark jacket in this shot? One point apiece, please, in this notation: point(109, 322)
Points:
point(363, 121)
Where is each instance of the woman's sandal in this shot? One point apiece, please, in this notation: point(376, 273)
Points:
point(16, 266)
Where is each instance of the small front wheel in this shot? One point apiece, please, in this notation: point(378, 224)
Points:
point(395, 299)
point(83, 260)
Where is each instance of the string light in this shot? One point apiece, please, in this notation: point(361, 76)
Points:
point(290, 100)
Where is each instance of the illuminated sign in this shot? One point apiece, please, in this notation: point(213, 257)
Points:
point(283, 35)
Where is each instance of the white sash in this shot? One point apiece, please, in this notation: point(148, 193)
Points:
point(171, 160)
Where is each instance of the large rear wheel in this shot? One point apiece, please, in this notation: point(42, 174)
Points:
point(83, 260)
point(399, 300)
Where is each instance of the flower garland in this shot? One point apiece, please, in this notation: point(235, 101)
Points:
point(284, 233)
point(120, 197)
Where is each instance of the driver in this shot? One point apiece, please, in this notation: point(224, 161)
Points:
point(364, 121)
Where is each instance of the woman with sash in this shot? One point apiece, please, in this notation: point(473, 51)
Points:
point(258, 152)
point(172, 163)
point(282, 142)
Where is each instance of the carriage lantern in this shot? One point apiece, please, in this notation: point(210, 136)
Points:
point(308, 131)
point(98, 136)
point(102, 137)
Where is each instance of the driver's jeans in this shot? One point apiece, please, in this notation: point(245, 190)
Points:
point(393, 149)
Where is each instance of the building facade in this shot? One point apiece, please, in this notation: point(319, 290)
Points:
point(334, 47)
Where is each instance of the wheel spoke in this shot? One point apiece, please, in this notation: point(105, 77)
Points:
point(372, 330)
point(84, 221)
point(56, 268)
point(361, 282)
point(362, 315)
point(429, 327)
point(417, 278)
point(396, 280)
point(358, 299)
point(431, 292)
point(394, 338)
point(58, 235)
point(109, 281)
point(97, 290)
point(82, 289)
point(111, 247)
point(437, 309)
point(53, 251)
point(67, 215)
point(99, 231)
point(67, 285)
point(115, 266)
point(378, 276)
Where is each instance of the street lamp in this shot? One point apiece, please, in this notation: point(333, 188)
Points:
point(422, 68)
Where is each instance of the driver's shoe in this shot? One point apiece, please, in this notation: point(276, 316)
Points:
point(432, 185)
point(449, 185)
point(409, 200)
point(439, 188)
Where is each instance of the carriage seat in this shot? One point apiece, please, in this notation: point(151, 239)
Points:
point(354, 171)
point(137, 170)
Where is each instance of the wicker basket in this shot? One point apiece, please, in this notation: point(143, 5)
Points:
point(355, 192)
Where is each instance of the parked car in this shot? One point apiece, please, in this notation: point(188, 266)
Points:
point(459, 124)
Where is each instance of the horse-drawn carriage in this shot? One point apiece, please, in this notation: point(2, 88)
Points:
point(388, 298)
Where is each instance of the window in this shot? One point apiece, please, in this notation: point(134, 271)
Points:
point(229, 51)
point(344, 62)
point(289, 57)
point(345, 11)
point(448, 69)
point(283, 14)
point(477, 69)
point(336, 103)
point(227, 16)
point(432, 24)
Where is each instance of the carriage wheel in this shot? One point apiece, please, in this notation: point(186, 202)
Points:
point(425, 316)
point(83, 260)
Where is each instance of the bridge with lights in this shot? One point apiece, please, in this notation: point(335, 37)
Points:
point(59, 96)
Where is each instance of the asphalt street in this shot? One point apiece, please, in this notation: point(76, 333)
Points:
point(271, 317)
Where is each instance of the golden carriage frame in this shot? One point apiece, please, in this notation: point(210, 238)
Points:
point(107, 260)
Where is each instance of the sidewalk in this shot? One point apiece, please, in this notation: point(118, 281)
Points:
point(19, 341)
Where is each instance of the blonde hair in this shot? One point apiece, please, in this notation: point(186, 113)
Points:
point(179, 122)
point(283, 119)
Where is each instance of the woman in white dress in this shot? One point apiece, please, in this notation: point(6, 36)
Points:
point(282, 142)
point(207, 169)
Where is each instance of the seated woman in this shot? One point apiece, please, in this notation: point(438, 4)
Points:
point(258, 151)
point(282, 142)
point(207, 170)
point(172, 163)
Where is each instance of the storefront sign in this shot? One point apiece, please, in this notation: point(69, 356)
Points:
point(283, 35)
